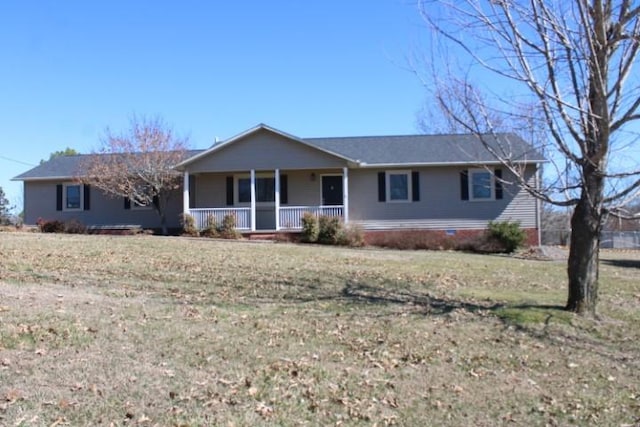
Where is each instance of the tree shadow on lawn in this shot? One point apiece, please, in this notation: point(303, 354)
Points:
point(624, 263)
point(545, 322)
point(396, 294)
point(389, 294)
point(539, 321)
point(426, 303)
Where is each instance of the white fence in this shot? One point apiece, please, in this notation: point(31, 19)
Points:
point(620, 239)
point(202, 215)
point(291, 216)
point(608, 239)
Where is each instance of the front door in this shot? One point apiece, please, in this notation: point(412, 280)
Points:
point(331, 190)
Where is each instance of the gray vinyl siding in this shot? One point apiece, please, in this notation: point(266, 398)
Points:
point(40, 202)
point(303, 191)
point(265, 151)
point(210, 191)
point(440, 205)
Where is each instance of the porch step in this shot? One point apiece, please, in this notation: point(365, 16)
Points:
point(261, 236)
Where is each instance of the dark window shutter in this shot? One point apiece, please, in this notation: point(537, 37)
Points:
point(415, 186)
point(229, 191)
point(156, 201)
point(498, 175)
point(382, 187)
point(464, 185)
point(284, 188)
point(192, 191)
point(127, 203)
point(59, 197)
point(87, 197)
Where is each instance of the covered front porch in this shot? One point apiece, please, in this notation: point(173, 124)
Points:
point(262, 200)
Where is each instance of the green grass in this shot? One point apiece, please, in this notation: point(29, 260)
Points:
point(97, 330)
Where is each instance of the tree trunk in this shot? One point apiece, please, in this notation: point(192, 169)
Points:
point(160, 204)
point(163, 221)
point(584, 252)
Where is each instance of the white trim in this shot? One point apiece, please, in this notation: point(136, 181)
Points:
point(421, 164)
point(277, 197)
point(387, 184)
point(236, 188)
point(492, 183)
point(537, 180)
point(64, 196)
point(185, 193)
point(345, 194)
point(253, 200)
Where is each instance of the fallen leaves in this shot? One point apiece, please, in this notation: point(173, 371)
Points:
point(221, 335)
point(12, 395)
point(264, 410)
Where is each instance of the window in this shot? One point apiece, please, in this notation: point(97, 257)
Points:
point(244, 190)
point(398, 186)
point(265, 190)
point(72, 197)
point(481, 184)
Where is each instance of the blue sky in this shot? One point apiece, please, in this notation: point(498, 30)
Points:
point(209, 68)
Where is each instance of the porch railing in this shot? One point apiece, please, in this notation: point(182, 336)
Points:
point(202, 215)
point(291, 216)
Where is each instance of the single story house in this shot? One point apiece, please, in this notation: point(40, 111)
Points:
point(268, 179)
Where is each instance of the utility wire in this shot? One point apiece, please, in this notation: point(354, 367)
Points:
point(16, 161)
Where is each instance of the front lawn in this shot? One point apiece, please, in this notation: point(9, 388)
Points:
point(150, 331)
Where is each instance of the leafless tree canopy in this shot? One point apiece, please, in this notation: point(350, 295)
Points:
point(570, 63)
point(138, 164)
point(561, 66)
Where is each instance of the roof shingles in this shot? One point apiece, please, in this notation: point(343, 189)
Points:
point(403, 150)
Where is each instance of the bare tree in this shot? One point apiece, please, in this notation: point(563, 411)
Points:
point(138, 164)
point(5, 209)
point(572, 60)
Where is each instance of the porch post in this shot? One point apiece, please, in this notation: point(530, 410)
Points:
point(253, 200)
point(277, 198)
point(345, 194)
point(185, 193)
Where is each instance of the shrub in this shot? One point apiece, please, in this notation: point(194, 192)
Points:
point(328, 229)
point(188, 225)
point(412, 240)
point(227, 229)
point(50, 226)
point(508, 234)
point(309, 228)
point(484, 244)
point(211, 229)
point(351, 235)
point(74, 226)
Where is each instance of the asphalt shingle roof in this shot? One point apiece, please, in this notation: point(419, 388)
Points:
point(66, 167)
point(428, 149)
point(367, 151)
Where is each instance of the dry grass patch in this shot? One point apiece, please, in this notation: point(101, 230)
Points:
point(142, 330)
